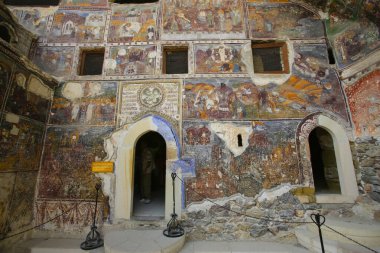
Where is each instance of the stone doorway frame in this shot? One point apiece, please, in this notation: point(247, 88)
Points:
point(126, 140)
point(343, 155)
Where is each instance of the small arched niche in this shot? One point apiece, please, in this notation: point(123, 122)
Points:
point(5, 34)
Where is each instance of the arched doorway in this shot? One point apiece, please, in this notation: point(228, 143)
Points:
point(149, 188)
point(323, 161)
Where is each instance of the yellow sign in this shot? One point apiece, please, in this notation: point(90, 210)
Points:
point(102, 167)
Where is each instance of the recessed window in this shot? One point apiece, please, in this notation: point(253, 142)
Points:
point(240, 140)
point(331, 56)
point(31, 2)
point(4, 33)
point(175, 60)
point(270, 58)
point(91, 62)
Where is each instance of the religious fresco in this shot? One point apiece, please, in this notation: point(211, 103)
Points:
point(5, 73)
point(138, 99)
point(239, 98)
point(57, 61)
point(78, 26)
point(34, 19)
point(6, 186)
point(267, 157)
point(352, 40)
point(217, 58)
point(83, 4)
point(283, 20)
point(21, 143)
point(66, 166)
point(137, 23)
point(21, 206)
point(29, 97)
point(90, 103)
point(131, 60)
point(364, 100)
point(205, 16)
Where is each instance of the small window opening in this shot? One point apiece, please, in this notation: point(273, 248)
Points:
point(323, 161)
point(91, 62)
point(270, 58)
point(31, 2)
point(240, 140)
point(331, 56)
point(4, 33)
point(175, 60)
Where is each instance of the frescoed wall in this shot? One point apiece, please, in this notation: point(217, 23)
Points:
point(5, 75)
point(90, 103)
point(282, 20)
point(131, 60)
point(57, 61)
point(83, 4)
point(241, 99)
point(34, 19)
point(364, 101)
point(78, 26)
point(133, 23)
point(226, 58)
point(193, 16)
point(267, 157)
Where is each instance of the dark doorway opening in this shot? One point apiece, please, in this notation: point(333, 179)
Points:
point(149, 181)
point(323, 161)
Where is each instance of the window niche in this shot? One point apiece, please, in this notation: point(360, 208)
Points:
point(32, 2)
point(175, 60)
point(91, 62)
point(270, 58)
point(5, 34)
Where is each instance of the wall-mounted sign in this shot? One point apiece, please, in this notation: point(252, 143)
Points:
point(102, 167)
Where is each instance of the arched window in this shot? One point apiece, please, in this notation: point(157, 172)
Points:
point(4, 33)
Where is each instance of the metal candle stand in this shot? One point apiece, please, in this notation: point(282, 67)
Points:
point(316, 218)
point(174, 228)
point(93, 239)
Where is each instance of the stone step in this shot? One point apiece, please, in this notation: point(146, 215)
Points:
point(144, 241)
point(53, 245)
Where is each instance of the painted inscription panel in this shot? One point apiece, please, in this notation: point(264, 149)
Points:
point(266, 158)
point(90, 103)
point(84, 3)
point(364, 100)
point(29, 97)
point(236, 98)
point(5, 74)
point(78, 26)
point(57, 61)
point(283, 20)
point(205, 16)
point(138, 99)
point(21, 143)
point(226, 58)
point(66, 167)
point(133, 23)
point(131, 60)
point(34, 19)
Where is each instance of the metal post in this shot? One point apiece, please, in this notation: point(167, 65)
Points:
point(173, 228)
point(93, 239)
point(316, 218)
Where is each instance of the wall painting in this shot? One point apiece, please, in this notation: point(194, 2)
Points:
point(57, 61)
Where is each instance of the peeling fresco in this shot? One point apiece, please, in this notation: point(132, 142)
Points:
point(353, 40)
point(91, 103)
point(268, 159)
point(21, 143)
point(138, 99)
point(6, 186)
point(203, 16)
point(83, 3)
point(241, 99)
point(66, 168)
point(57, 61)
point(132, 23)
point(225, 58)
point(34, 19)
point(364, 101)
point(24, 98)
point(132, 60)
point(21, 207)
point(5, 73)
point(283, 20)
point(78, 26)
